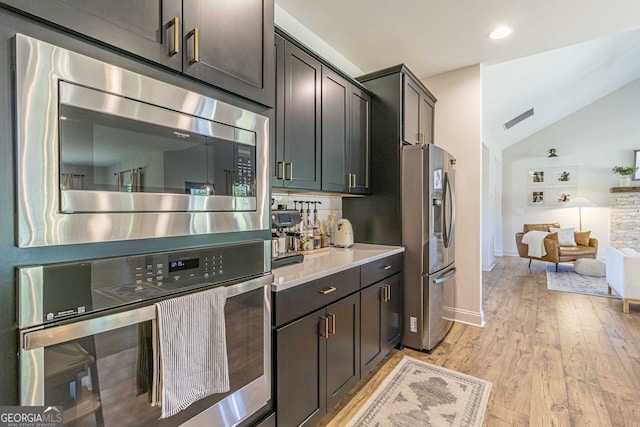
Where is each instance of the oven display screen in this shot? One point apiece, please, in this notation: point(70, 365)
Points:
point(183, 264)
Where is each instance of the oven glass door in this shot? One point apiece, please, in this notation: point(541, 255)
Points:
point(110, 143)
point(105, 378)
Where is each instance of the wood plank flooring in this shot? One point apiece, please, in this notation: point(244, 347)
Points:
point(554, 358)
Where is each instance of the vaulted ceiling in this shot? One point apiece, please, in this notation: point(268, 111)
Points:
point(545, 64)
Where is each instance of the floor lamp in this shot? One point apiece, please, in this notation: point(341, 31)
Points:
point(580, 202)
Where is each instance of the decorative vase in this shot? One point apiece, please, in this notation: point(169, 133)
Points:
point(625, 180)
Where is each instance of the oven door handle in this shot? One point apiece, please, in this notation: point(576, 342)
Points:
point(32, 340)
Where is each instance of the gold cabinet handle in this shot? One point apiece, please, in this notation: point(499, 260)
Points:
point(327, 290)
point(175, 23)
point(324, 327)
point(386, 267)
point(385, 293)
point(280, 170)
point(388, 287)
point(332, 323)
point(354, 181)
point(196, 45)
point(290, 172)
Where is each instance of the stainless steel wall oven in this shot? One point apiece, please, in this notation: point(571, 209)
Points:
point(86, 328)
point(107, 154)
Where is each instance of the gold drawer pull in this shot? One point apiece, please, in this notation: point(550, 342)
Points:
point(386, 267)
point(328, 290)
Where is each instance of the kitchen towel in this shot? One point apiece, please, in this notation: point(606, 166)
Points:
point(535, 240)
point(190, 350)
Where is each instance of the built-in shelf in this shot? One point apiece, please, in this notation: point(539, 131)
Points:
point(624, 190)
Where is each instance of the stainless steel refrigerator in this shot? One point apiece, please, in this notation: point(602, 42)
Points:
point(428, 228)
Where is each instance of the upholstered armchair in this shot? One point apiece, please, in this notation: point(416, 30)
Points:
point(585, 246)
point(623, 275)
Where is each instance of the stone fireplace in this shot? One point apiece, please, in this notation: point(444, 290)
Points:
point(624, 226)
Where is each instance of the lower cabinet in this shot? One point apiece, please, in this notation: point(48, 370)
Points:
point(318, 360)
point(331, 331)
point(380, 321)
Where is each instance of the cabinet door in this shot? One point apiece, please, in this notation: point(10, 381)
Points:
point(391, 312)
point(302, 132)
point(371, 351)
point(301, 371)
point(229, 43)
point(276, 148)
point(426, 119)
point(141, 27)
point(411, 112)
point(336, 92)
point(343, 347)
point(359, 141)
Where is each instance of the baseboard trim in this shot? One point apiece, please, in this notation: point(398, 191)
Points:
point(467, 317)
point(488, 267)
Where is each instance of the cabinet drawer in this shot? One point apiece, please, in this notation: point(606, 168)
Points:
point(302, 299)
point(378, 270)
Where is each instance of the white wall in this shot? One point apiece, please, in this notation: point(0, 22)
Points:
point(292, 26)
point(458, 129)
point(596, 138)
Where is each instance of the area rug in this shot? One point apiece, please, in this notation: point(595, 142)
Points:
point(567, 280)
point(419, 394)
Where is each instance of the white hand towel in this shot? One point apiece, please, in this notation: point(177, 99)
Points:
point(535, 240)
point(190, 350)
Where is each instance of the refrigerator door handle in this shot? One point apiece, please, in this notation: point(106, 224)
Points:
point(449, 232)
point(442, 279)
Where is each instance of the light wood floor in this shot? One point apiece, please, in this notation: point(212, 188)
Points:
point(554, 358)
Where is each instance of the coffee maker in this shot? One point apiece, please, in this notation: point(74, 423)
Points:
point(282, 252)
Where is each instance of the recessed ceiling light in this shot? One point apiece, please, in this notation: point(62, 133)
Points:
point(500, 33)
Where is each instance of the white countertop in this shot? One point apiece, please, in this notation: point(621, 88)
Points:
point(325, 263)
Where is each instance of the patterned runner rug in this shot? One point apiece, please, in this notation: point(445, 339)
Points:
point(417, 394)
point(567, 280)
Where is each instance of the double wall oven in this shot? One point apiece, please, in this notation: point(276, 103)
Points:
point(104, 154)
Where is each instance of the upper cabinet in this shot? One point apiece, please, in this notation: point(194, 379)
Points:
point(322, 125)
point(417, 112)
point(229, 43)
point(404, 108)
point(345, 135)
point(226, 43)
point(297, 146)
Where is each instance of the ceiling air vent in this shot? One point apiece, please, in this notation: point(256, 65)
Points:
point(511, 123)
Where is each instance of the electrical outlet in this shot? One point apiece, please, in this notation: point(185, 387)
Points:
point(413, 324)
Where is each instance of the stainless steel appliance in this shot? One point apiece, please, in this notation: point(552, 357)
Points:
point(428, 227)
point(286, 248)
point(107, 154)
point(86, 327)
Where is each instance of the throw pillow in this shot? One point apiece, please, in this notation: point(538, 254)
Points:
point(582, 238)
point(565, 236)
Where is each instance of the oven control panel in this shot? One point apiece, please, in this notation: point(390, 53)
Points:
point(78, 288)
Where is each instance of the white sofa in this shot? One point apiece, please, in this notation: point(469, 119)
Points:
point(623, 275)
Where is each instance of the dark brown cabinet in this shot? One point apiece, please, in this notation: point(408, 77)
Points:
point(323, 125)
point(380, 321)
point(226, 43)
point(331, 331)
point(345, 135)
point(418, 110)
point(318, 360)
point(296, 161)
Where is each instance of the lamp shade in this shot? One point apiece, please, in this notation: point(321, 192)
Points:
point(579, 202)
